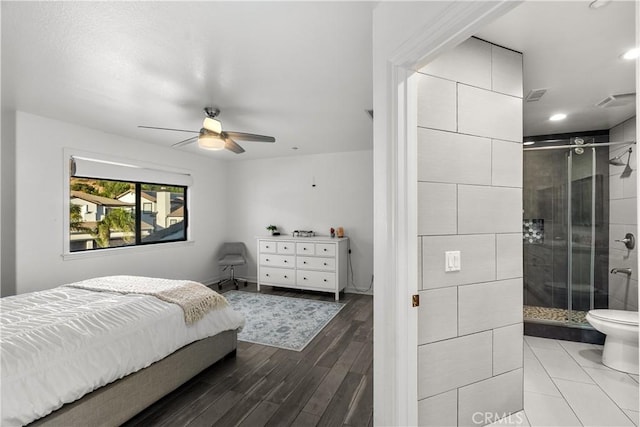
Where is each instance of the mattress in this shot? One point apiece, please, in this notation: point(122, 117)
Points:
point(59, 344)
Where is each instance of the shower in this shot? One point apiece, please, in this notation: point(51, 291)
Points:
point(617, 162)
point(566, 231)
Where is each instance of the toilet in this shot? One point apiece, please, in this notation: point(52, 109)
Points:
point(621, 342)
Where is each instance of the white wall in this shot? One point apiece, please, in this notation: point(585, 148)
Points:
point(40, 228)
point(280, 192)
point(470, 358)
point(623, 290)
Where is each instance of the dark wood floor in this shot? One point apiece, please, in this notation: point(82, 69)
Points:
point(329, 383)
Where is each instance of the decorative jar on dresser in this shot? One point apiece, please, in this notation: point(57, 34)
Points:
point(313, 263)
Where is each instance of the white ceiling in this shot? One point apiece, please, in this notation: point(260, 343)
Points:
point(299, 71)
point(574, 52)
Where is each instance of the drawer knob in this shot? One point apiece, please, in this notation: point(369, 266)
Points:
point(325, 250)
point(267, 246)
point(304, 249)
point(304, 278)
point(324, 280)
point(324, 263)
point(266, 259)
point(304, 262)
point(285, 261)
point(285, 277)
point(285, 247)
point(267, 274)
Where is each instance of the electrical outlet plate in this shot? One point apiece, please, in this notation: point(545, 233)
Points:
point(451, 261)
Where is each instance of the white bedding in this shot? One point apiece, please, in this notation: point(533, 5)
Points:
point(62, 343)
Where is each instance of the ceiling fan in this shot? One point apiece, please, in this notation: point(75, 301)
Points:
point(212, 137)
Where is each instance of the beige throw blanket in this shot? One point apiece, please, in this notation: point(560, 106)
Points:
point(194, 298)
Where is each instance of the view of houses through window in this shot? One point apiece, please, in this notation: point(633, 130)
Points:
point(107, 214)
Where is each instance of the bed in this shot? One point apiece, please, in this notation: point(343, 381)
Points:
point(91, 353)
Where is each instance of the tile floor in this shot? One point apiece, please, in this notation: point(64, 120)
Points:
point(565, 384)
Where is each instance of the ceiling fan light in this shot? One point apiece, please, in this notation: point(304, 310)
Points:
point(212, 125)
point(210, 142)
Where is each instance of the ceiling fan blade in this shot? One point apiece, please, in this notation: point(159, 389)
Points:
point(231, 145)
point(248, 136)
point(184, 142)
point(175, 130)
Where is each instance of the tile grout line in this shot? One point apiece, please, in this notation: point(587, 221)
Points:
point(458, 311)
point(469, 384)
point(555, 385)
point(559, 342)
point(570, 357)
point(608, 395)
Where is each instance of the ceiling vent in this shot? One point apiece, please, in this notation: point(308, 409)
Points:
point(535, 95)
point(617, 100)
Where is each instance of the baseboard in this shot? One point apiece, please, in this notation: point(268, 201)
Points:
point(252, 280)
point(356, 291)
point(211, 281)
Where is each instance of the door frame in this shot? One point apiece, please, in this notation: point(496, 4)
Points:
point(406, 36)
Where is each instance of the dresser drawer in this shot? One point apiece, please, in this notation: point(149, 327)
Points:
point(286, 248)
point(278, 260)
point(327, 249)
point(316, 263)
point(305, 248)
point(280, 276)
point(316, 279)
point(268, 247)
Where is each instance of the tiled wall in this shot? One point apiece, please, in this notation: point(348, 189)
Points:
point(623, 291)
point(470, 200)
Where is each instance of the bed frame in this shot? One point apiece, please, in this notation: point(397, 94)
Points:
point(119, 401)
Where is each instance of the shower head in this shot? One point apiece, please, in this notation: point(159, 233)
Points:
point(627, 170)
point(616, 160)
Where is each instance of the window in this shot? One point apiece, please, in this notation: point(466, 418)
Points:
point(108, 213)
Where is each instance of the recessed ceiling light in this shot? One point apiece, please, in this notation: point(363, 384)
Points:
point(632, 53)
point(557, 117)
point(529, 143)
point(597, 4)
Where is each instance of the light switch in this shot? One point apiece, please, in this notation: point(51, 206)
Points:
point(452, 261)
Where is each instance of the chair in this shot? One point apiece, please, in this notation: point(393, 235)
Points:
point(231, 255)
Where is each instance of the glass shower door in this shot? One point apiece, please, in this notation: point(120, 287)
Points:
point(545, 235)
point(565, 234)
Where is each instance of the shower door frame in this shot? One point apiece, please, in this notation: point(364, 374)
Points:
point(570, 241)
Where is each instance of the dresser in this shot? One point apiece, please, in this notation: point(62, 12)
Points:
point(313, 263)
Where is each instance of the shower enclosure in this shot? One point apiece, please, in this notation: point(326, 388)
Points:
point(565, 229)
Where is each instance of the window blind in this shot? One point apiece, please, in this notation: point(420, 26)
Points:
point(83, 167)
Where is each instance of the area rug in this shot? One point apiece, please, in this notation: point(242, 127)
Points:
point(284, 322)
